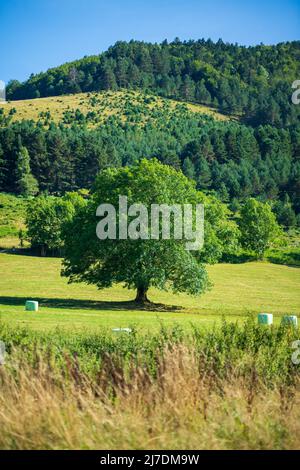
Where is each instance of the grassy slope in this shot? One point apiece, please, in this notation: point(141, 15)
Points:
point(104, 104)
point(12, 214)
point(238, 290)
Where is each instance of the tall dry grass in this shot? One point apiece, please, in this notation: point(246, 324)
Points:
point(185, 405)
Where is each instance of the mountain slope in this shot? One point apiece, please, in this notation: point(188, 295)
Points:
point(95, 108)
point(255, 81)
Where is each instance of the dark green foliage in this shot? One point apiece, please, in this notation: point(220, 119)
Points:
point(141, 263)
point(45, 218)
point(234, 160)
point(284, 213)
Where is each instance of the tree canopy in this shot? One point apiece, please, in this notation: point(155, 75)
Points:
point(45, 218)
point(141, 263)
point(232, 160)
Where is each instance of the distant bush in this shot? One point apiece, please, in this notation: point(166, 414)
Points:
point(45, 218)
point(258, 226)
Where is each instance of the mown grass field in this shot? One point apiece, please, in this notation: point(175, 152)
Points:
point(103, 104)
point(69, 382)
point(238, 290)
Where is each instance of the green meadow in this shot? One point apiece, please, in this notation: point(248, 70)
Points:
point(238, 291)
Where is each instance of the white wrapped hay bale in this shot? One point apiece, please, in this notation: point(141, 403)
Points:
point(31, 305)
point(290, 320)
point(120, 330)
point(265, 318)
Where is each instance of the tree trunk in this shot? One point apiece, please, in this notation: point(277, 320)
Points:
point(141, 295)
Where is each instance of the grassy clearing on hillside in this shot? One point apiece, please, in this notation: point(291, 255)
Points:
point(103, 104)
point(287, 250)
point(234, 387)
point(12, 215)
point(238, 290)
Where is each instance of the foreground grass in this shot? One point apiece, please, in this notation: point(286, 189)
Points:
point(232, 388)
point(238, 290)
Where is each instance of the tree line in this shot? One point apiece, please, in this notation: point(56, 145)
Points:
point(232, 160)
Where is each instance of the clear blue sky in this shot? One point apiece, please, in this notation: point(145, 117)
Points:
point(39, 34)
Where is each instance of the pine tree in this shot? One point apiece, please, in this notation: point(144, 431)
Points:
point(121, 73)
point(187, 90)
point(189, 168)
point(108, 81)
point(27, 185)
point(204, 174)
point(202, 94)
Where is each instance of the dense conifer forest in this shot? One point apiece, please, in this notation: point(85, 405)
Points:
point(256, 152)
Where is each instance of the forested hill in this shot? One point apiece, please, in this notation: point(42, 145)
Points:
point(252, 81)
point(63, 151)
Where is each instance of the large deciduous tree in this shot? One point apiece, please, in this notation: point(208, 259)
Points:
point(140, 263)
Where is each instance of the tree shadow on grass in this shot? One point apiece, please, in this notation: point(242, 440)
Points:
point(28, 252)
point(84, 304)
